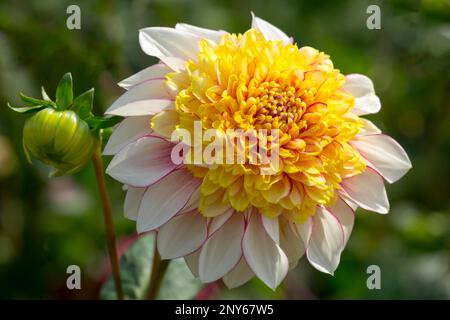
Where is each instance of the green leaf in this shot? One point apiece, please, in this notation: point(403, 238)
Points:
point(36, 102)
point(135, 265)
point(97, 123)
point(45, 95)
point(26, 109)
point(64, 92)
point(82, 104)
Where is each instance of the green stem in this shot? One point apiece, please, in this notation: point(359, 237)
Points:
point(107, 214)
point(159, 268)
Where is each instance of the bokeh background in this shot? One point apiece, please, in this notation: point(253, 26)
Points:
point(46, 225)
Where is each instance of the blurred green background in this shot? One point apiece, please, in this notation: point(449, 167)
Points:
point(46, 225)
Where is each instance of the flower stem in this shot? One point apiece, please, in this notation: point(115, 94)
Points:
point(107, 214)
point(159, 268)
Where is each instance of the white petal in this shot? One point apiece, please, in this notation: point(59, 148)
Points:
point(193, 201)
point(326, 242)
point(147, 98)
point(222, 251)
point(174, 63)
point(272, 228)
point(165, 199)
point(181, 235)
point(385, 155)
point(168, 42)
point(291, 245)
point(263, 255)
point(129, 130)
point(269, 31)
point(132, 202)
point(240, 274)
point(213, 35)
point(361, 87)
point(367, 191)
point(368, 128)
point(304, 230)
point(346, 216)
point(217, 222)
point(192, 262)
point(143, 162)
point(156, 71)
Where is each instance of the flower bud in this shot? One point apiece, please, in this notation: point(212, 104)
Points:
point(59, 139)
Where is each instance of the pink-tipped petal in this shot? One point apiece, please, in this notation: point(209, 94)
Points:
point(367, 191)
point(385, 155)
point(147, 98)
point(129, 130)
point(192, 262)
point(240, 274)
point(217, 222)
point(165, 199)
point(181, 235)
point(326, 242)
point(222, 251)
point(143, 162)
point(263, 255)
point(345, 215)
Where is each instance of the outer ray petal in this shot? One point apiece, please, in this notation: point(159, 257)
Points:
point(269, 31)
point(147, 98)
point(326, 242)
point(263, 255)
point(181, 235)
point(168, 42)
point(154, 72)
point(213, 35)
point(367, 191)
point(366, 101)
point(240, 274)
point(385, 155)
point(129, 130)
point(222, 251)
point(143, 162)
point(165, 199)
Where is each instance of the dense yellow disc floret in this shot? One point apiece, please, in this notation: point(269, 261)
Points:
point(246, 82)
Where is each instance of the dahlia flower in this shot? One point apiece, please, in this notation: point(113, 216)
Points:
point(235, 221)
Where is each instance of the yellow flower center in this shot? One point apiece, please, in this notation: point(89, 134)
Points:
point(245, 82)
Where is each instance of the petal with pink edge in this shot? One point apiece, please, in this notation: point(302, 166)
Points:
point(143, 162)
point(240, 274)
point(222, 251)
point(132, 201)
point(165, 199)
point(367, 191)
point(385, 155)
point(292, 246)
point(181, 235)
point(346, 216)
point(147, 98)
point(263, 255)
point(129, 130)
point(326, 242)
point(154, 72)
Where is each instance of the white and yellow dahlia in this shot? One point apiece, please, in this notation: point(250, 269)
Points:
point(234, 220)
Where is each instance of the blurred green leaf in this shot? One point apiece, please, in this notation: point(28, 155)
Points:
point(26, 109)
point(36, 102)
point(64, 92)
point(82, 104)
point(135, 265)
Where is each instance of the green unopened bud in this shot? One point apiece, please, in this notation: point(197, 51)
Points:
point(60, 139)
